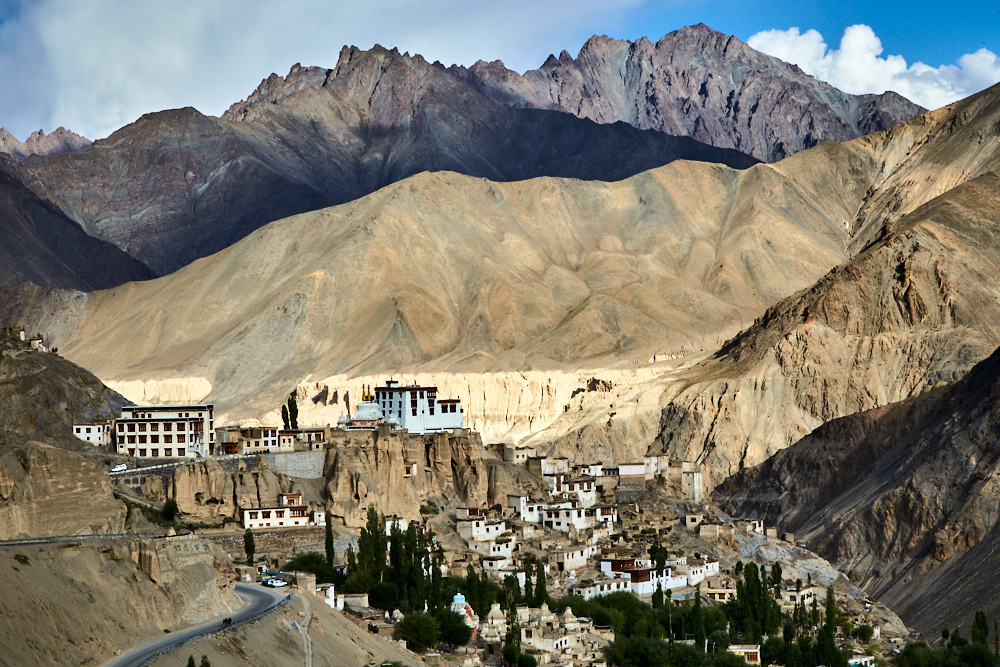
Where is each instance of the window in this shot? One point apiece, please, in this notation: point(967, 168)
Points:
point(142, 428)
point(265, 515)
point(131, 428)
point(155, 439)
point(168, 451)
point(131, 439)
point(156, 452)
point(167, 439)
point(180, 438)
point(154, 427)
point(168, 426)
point(121, 440)
point(131, 452)
point(142, 452)
point(142, 439)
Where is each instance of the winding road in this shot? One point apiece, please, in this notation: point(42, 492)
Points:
point(259, 599)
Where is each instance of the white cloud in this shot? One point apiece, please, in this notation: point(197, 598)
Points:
point(858, 66)
point(95, 66)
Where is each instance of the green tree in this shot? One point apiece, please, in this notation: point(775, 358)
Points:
point(541, 594)
point(980, 628)
point(169, 511)
point(658, 597)
point(248, 546)
point(525, 660)
point(284, 416)
point(452, 629)
point(864, 633)
point(832, 613)
point(191, 662)
point(293, 411)
point(205, 662)
point(529, 586)
point(419, 630)
point(698, 619)
point(329, 544)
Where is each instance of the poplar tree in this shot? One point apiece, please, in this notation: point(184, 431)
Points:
point(249, 546)
point(284, 416)
point(329, 543)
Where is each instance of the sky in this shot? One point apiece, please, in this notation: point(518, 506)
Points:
point(93, 66)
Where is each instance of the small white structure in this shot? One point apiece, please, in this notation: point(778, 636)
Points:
point(95, 434)
point(602, 587)
point(482, 530)
point(749, 652)
point(289, 512)
point(569, 558)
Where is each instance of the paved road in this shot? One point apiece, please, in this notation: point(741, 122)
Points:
point(258, 597)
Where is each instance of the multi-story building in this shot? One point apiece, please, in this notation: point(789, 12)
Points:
point(248, 440)
point(290, 512)
point(418, 409)
point(95, 434)
point(166, 431)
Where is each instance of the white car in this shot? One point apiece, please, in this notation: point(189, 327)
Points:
point(278, 583)
point(121, 467)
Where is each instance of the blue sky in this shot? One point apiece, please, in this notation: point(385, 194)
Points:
point(95, 65)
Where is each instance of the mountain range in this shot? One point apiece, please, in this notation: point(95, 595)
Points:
point(177, 185)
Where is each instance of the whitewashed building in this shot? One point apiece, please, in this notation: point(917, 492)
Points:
point(290, 511)
point(418, 409)
point(95, 434)
point(166, 431)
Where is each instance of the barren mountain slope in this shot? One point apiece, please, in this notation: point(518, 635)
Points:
point(918, 305)
point(60, 141)
point(896, 496)
point(43, 246)
point(177, 185)
point(698, 83)
point(447, 271)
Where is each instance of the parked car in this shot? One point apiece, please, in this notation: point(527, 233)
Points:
point(278, 583)
point(121, 467)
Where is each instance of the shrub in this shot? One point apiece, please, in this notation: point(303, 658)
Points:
point(169, 511)
point(419, 630)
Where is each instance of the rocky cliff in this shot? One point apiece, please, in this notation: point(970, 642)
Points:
point(39, 143)
point(365, 468)
point(89, 602)
point(695, 82)
point(48, 491)
point(42, 394)
point(176, 185)
point(903, 498)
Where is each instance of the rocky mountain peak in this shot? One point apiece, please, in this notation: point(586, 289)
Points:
point(274, 88)
point(38, 143)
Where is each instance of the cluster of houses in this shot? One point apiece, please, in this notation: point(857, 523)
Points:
point(36, 342)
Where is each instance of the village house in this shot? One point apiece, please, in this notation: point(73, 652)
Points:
point(482, 530)
point(240, 440)
point(290, 511)
point(95, 434)
point(542, 466)
point(166, 431)
point(602, 587)
point(749, 652)
point(311, 439)
point(572, 557)
point(525, 508)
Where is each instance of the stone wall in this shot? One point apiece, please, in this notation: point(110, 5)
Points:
point(308, 465)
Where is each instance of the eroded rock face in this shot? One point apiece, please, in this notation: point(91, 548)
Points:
point(903, 494)
point(365, 468)
point(205, 491)
point(698, 83)
point(46, 490)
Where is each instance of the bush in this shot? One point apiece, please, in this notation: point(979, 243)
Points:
point(428, 509)
point(452, 629)
point(419, 630)
point(22, 559)
point(169, 511)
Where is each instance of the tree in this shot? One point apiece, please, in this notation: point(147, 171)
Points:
point(452, 629)
point(980, 628)
point(293, 411)
point(541, 594)
point(658, 597)
point(248, 546)
point(419, 630)
point(329, 544)
point(698, 619)
point(832, 613)
point(169, 511)
point(529, 587)
point(191, 662)
point(864, 633)
point(525, 660)
point(284, 416)
point(205, 662)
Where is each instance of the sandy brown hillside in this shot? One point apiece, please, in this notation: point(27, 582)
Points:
point(916, 306)
point(450, 272)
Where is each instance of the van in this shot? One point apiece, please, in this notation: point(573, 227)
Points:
point(121, 467)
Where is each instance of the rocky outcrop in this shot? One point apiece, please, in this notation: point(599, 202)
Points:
point(42, 395)
point(60, 141)
point(205, 491)
point(365, 468)
point(47, 491)
point(898, 495)
point(43, 246)
point(698, 83)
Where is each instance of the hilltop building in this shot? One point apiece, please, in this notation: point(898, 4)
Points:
point(418, 409)
point(166, 431)
point(95, 434)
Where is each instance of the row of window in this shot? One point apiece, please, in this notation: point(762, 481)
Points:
point(158, 415)
point(153, 439)
point(168, 452)
point(155, 426)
